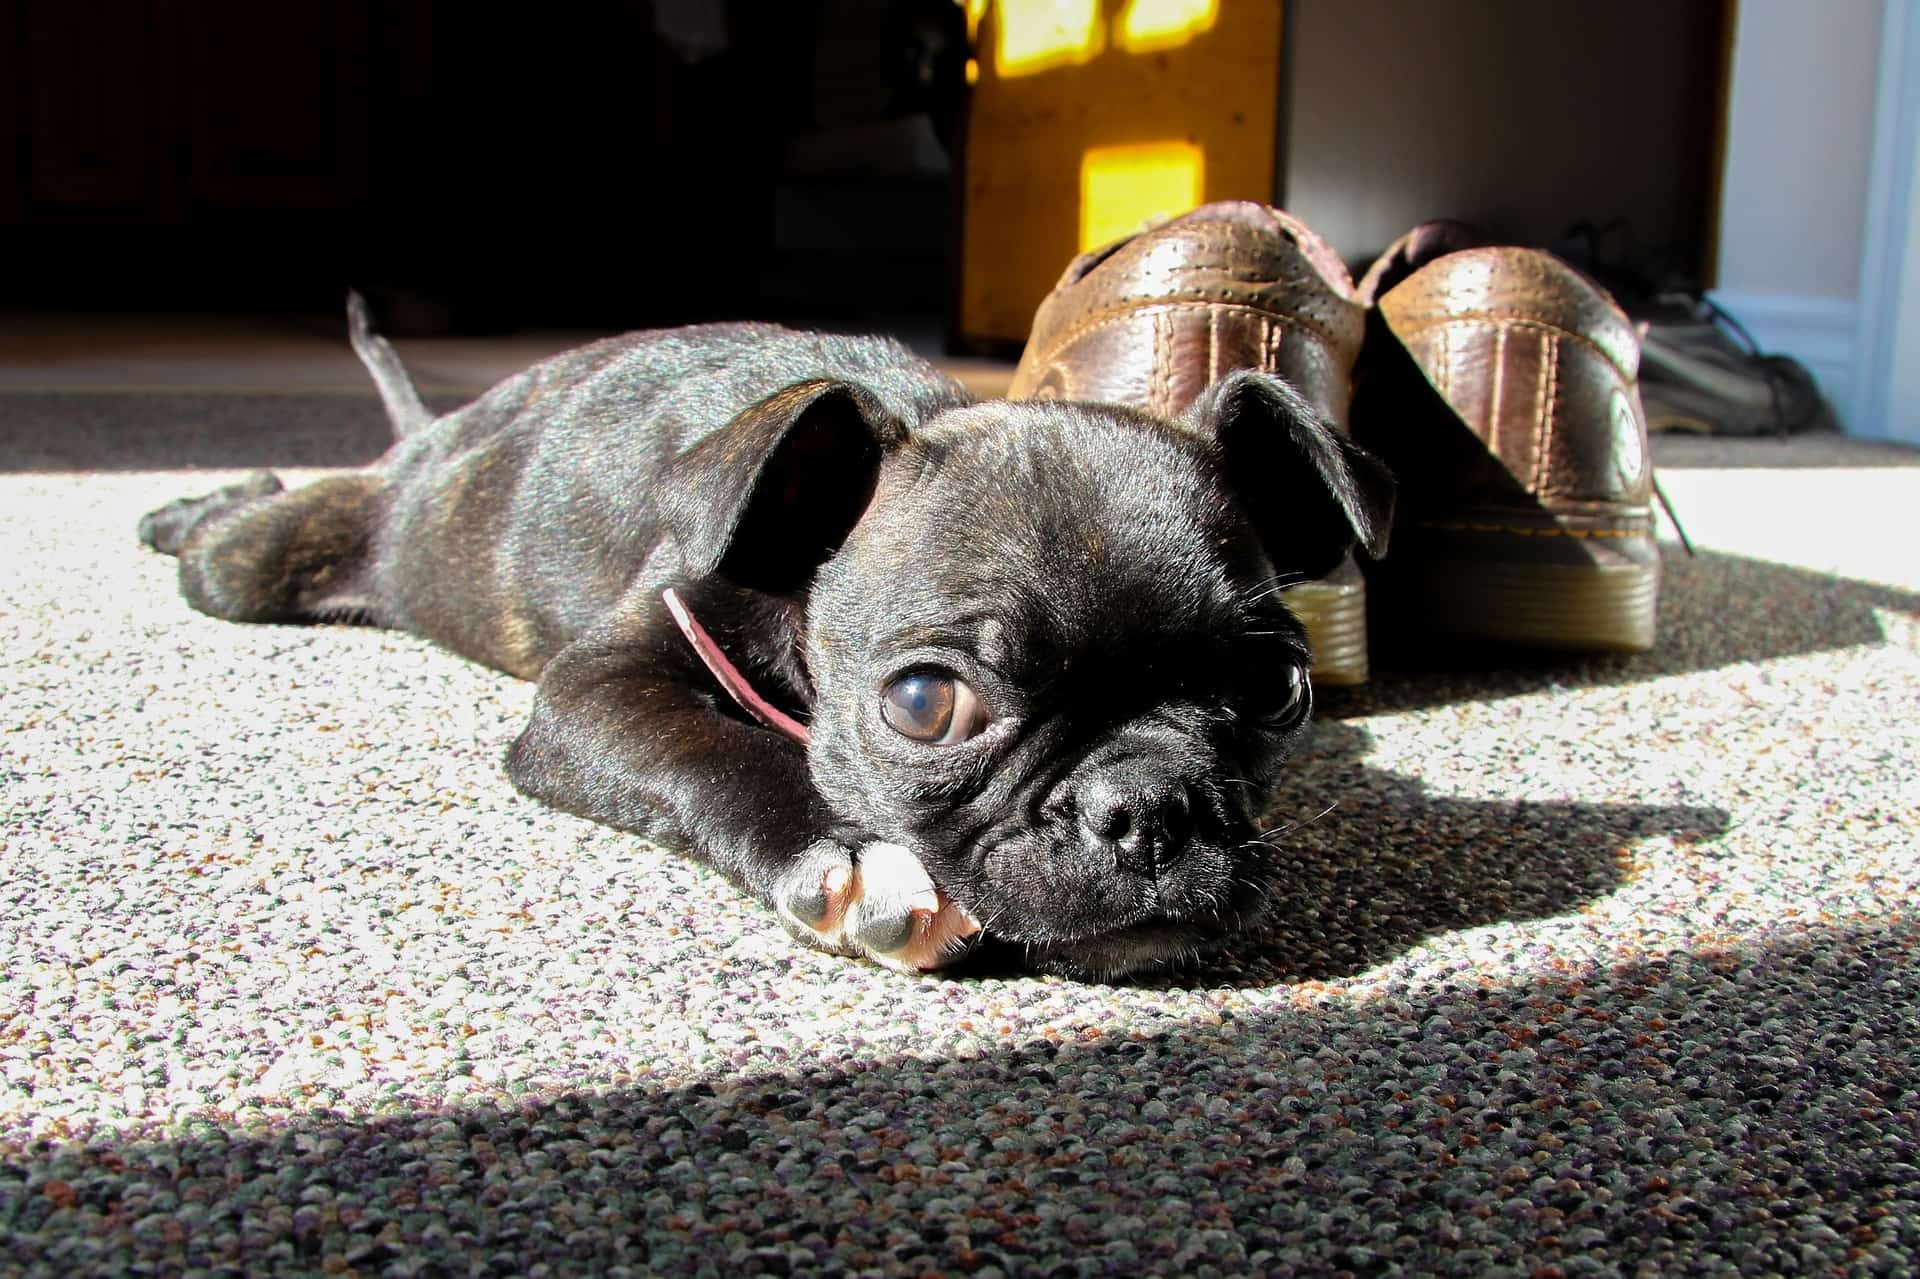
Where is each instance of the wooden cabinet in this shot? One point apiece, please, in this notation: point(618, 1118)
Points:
point(1089, 116)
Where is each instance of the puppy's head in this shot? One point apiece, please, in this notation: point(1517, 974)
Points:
point(1052, 654)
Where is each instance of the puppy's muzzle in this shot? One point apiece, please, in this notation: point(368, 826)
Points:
point(1137, 810)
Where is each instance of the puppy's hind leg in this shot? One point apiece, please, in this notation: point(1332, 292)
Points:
point(166, 529)
point(300, 556)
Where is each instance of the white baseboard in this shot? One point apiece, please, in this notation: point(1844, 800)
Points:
point(1817, 331)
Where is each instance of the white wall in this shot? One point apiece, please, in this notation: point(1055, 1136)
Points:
point(1519, 116)
point(1799, 129)
point(1887, 346)
point(1793, 202)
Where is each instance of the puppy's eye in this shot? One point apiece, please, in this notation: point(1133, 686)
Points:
point(932, 707)
point(1294, 698)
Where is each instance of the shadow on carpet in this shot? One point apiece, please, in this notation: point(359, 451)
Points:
point(1749, 1111)
point(1370, 865)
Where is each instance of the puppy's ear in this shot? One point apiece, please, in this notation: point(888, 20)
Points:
point(768, 497)
point(1310, 492)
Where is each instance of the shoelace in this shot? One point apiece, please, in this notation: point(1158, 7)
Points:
point(1666, 504)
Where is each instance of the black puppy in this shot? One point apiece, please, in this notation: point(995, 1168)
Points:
point(909, 669)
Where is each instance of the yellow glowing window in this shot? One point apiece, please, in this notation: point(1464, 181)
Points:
point(1036, 35)
point(1164, 24)
point(1122, 187)
point(976, 10)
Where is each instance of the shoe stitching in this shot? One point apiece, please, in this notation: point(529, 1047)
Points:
point(1497, 386)
point(1528, 308)
point(1157, 391)
point(1221, 298)
point(1213, 345)
point(1235, 244)
point(1543, 390)
point(1516, 321)
point(1131, 310)
point(1543, 415)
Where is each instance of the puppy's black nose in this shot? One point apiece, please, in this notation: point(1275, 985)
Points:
point(1138, 812)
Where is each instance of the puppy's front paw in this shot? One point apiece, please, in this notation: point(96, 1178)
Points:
point(879, 903)
point(899, 917)
point(813, 893)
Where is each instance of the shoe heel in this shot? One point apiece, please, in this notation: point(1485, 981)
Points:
point(1593, 608)
point(1335, 615)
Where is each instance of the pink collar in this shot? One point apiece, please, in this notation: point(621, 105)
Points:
point(729, 675)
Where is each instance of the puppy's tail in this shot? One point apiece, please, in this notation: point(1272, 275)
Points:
point(405, 409)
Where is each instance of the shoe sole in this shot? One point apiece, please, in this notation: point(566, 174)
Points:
point(1335, 615)
point(1589, 608)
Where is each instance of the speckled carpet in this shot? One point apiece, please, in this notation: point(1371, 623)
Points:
point(1603, 967)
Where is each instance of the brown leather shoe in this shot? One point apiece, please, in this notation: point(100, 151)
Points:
point(1500, 386)
point(1152, 320)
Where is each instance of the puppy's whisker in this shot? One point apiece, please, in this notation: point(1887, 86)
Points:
point(1287, 828)
point(987, 924)
point(1274, 586)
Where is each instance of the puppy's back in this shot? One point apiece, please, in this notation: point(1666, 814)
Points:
point(518, 519)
